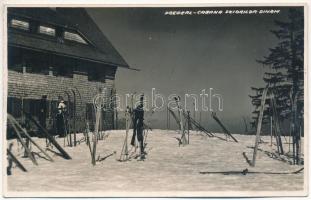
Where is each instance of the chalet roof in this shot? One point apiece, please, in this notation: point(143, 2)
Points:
point(77, 19)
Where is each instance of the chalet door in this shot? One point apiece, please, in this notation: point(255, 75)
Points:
point(43, 110)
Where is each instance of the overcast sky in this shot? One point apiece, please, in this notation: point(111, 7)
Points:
point(185, 54)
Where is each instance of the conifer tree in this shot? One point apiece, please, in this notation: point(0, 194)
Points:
point(285, 76)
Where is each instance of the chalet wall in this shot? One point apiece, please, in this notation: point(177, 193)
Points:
point(33, 86)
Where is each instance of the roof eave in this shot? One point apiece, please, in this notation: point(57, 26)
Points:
point(71, 56)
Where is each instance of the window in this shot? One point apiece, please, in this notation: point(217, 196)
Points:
point(53, 108)
point(62, 66)
point(63, 71)
point(20, 24)
point(74, 37)
point(15, 59)
point(37, 63)
point(47, 30)
point(110, 72)
point(96, 74)
point(32, 106)
point(14, 106)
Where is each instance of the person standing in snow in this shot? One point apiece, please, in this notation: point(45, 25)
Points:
point(60, 117)
point(139, 126)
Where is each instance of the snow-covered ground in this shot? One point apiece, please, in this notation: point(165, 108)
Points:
point(167, 167)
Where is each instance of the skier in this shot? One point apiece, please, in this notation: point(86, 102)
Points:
point(60, 117)
point(139, 127)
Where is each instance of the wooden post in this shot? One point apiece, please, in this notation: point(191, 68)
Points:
point(262, 107)
point(124, 150)
point(113, 100)
point(66, 129)
point(88, 143)
point(277, 127)
point(70, 139)
point(127, 116)
point(99, 137)
point(67, 123)
point(95, 134)
point(299, 153)
point(271, 119)
point(87, 130)
point(182, 129)
point(22, 107)
point(28, 145)
point(245, 124)
point(169, 120)
point(297, 144)
point(294, 127)
point(194, 111)
point(116, 126)
point(74, 118)
point(289, 139)
point(271, 130)
point(294, 148)
point(189, 124)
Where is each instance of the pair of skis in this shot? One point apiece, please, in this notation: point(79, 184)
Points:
point(95, 136)
point(179, 119)
point(198, 125)
point(246, 171)
point(124, 152)
point(259, 123)
point(20, 131)
point(51, 139)
point(12, 159)
point(183, 140)
point(223, 127)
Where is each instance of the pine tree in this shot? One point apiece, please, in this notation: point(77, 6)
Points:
point(285, 77)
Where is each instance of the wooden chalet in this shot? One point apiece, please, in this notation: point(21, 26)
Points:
point(56, 52)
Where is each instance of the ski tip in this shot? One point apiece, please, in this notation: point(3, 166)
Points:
point(298, 171)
